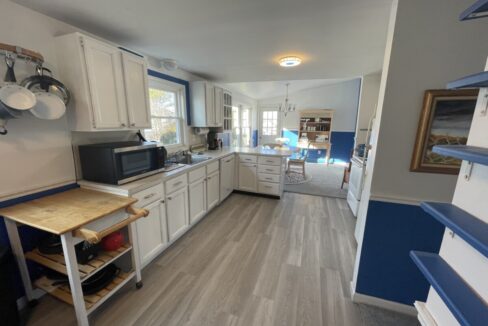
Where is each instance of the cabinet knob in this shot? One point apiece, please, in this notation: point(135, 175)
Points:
point(122, 124)
point(133, 124)
point(162, 201)
point(170, 198)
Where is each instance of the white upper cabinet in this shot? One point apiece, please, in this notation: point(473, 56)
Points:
point(108, 86)
point(204, 98)
point(135, 76)
point(219, 105)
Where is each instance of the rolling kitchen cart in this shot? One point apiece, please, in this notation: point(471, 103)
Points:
point(76, 215)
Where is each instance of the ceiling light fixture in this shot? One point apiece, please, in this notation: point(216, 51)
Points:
point(286, 106)
point(290, 61)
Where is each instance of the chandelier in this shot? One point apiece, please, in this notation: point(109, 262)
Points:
point(286, 106)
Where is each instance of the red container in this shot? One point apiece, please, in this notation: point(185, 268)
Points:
point(113, 241)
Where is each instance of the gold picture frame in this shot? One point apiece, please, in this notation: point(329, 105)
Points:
point(445, 120)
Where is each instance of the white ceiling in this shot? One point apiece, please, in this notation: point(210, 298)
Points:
point(240, 40)
point(269, 89)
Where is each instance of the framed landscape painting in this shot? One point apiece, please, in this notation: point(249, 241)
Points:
point(445, 120)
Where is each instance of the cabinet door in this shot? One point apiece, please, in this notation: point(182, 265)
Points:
point(219, 105)
point(209, 105)
point(248, 177)
point(226, 177)
point(198, 200)
point(105, 78)
point(136, 90)
point(213, 190)
point(151, 232)
point(177, 212)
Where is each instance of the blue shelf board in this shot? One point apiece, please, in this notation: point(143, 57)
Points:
point(478, 10)
point(472, 81)
point(470, 228)
point(464, 152)
point(465, 304)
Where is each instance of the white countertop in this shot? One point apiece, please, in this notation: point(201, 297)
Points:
point(133, 187)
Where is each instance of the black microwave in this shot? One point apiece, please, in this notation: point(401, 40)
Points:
point(121, 162)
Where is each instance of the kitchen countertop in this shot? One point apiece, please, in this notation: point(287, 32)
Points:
point(130, 188)
point(66, 211)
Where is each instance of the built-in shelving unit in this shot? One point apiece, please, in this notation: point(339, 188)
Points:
point(472, 81)
point(315, 125)
point(478, 10)
point(470, 228)
point(465, 304)
point(472, 154)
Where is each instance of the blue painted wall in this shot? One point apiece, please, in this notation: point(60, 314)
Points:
point(29, 236)
point(342, 144)
point(254, 139)
point(385, 268)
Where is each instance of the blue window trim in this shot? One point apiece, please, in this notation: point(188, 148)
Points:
point(185, 83)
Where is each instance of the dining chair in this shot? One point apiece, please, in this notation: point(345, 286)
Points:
point(299, 158)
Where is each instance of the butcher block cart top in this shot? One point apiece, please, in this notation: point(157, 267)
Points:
point(76, 215)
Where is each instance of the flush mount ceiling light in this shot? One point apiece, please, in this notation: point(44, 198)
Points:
point(290, 61)
point(169, 64)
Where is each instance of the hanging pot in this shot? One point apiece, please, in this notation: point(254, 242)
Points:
point(12, 95)
point(44, 83)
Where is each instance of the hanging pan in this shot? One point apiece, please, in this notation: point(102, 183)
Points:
point(12, 95)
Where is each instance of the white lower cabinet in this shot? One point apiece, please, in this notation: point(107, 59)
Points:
point(177, 212)
point(197, 192)
point(248, 177)
point(227, 176)
point(213, 190)
point(152, 234)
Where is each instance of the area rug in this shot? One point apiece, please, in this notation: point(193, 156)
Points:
point(295, 178)
point(325, 181)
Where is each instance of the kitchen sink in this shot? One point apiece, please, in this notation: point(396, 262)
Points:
point(193, 159)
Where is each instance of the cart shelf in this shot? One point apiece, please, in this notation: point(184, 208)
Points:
point(92, 301)
point(57, 262)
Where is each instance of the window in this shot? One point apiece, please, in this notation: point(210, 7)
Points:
point(270, 123)
point(241, 123)
point(166, 102)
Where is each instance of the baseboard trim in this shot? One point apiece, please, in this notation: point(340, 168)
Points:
point(23, 302)
point(382, 303)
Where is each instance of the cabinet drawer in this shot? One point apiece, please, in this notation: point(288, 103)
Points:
point(266, 177)
point(248, 158)
point(176, 183)
point(273, 169)
point(197, 174)
point(149, 195)
point(269, 160)
point(212, 167)
point(269, 188)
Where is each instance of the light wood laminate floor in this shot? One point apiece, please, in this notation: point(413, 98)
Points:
point(251, 261)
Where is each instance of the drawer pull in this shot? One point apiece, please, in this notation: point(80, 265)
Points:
point(270, 170)
point(209, 178)
point(95, 237)
point(268, 179)
point(268, 187)
point(177, 183)
point(149, 196)
point(228, 161)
